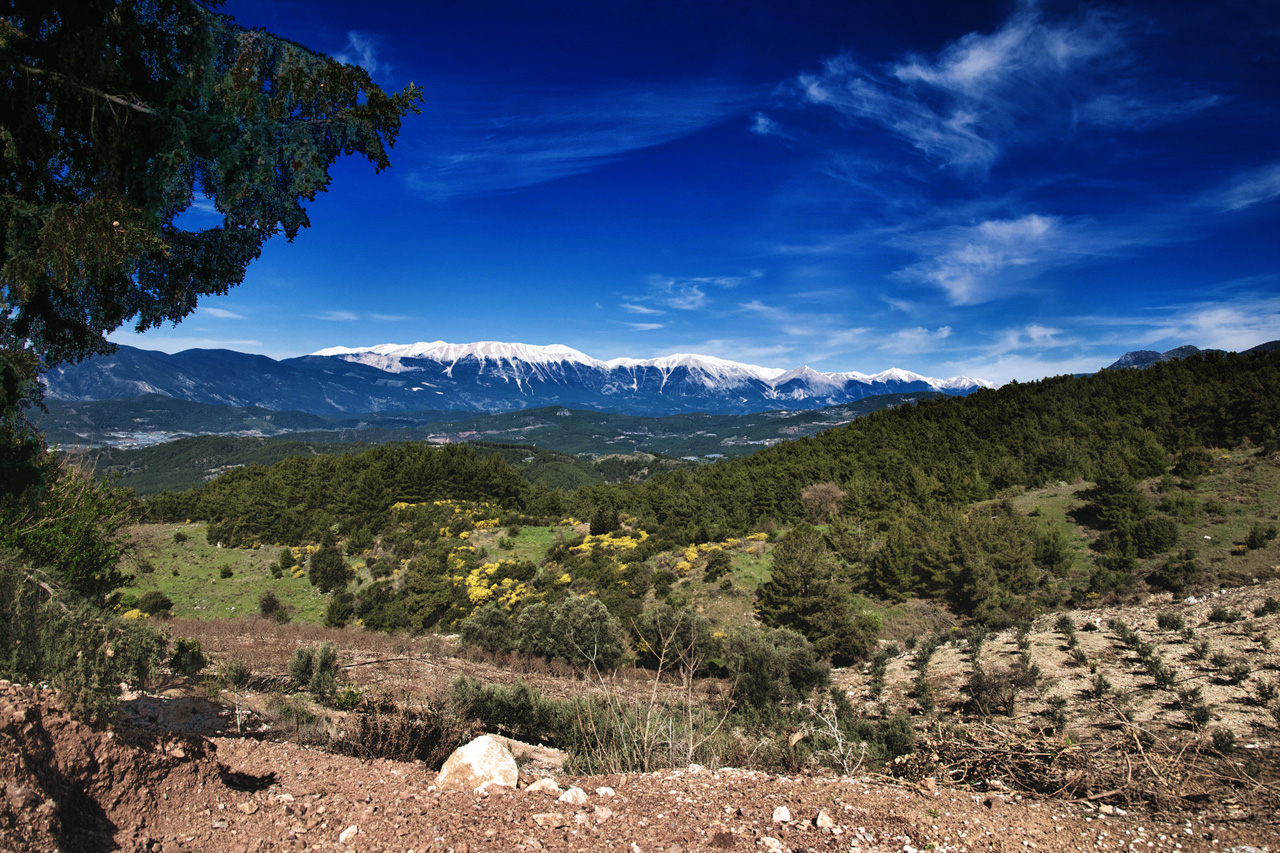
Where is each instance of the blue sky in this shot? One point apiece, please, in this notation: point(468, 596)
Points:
point(1003, 190)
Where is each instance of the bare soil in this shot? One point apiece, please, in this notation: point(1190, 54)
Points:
point(70, 787)
point(191, 768)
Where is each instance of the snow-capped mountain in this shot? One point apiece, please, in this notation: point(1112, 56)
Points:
point(487, 376)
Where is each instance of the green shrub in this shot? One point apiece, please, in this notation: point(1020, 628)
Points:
point(1268, 608)
point(1259, 536)
point(84, 653)
point(348, 698)
point(155, 603)
point(340, 610)
point(179, 537)
point(489, 627)
point(1237, 674)
point(328, 571)
point(1224, 741)
point(187, 659)
point(1224, 615)
point(767, 667)
point(301, 665)
point(235, 673)
point(1168, 621)
point(225, 572)
point(268, 604)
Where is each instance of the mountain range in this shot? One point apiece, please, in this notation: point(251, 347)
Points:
point(477, 377)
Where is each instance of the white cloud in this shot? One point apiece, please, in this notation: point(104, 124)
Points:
point(977, 263)
point(1232, 325)
point(337, 316)
point(984, 92)
point(644, 327)
point(178, 344)
point(495, 136)
point(1125, 110)
point(762, 125)
point(1254, 187)
point(915, 340)
point(390, 318)
point(361, 50)
point(1024, 368)
point(221, 313)
point(690, 293)
point(635, 308)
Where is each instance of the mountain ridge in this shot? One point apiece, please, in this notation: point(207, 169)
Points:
point(486, 376)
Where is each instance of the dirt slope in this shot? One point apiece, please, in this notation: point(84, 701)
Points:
point(69, 787)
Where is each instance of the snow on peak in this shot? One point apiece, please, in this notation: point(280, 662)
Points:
point(482, 350)
point(713, 372)
point(708, 365)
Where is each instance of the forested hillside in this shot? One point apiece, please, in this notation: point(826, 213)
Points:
point(915, 502)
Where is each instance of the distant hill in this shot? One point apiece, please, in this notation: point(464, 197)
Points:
point(1145, 358)
point(128, 436)
point(482, 377)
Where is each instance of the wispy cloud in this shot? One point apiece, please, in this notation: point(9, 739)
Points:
point(361, 50)
point(644, 327)
point(978, 263)
point(492, 137)
point(1235, 323)
point(687, 293)
point(635, 308)
point(748, 351)
point(822, 334)
point(1032, 335)
point(1128, 111)
point(762, 125)
point(389, 318)
point(1031, 78)
point(221, 313)
point(1257, 186)
point(337, 316)
point(915, 340)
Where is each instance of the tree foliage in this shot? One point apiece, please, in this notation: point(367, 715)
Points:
point(119, 116)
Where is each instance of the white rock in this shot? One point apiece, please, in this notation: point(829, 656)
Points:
point(479, 765)
point(782, 814)
point(606, 792)
point(545, 785)
point(823, 820)
point(348, 834)
point(771, 844)
point(573, 797)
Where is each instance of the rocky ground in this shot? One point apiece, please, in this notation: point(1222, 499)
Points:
point(70, 787)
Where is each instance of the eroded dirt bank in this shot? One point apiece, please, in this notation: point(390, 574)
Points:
point(73, 788)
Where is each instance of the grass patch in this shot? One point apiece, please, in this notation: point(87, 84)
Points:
point(199, 591)
point(751, 570)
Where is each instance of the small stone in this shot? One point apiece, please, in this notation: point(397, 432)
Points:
point(1106, 809)
point(219, 824)
point(606, 792)
point(573, 797)
point(550, 820)
point(348, 834)
point(823, 820)
point(993, 803)
point(248, 808)
point(771, 844)
point(603, 813)
point(545, 785)
point(782, 814)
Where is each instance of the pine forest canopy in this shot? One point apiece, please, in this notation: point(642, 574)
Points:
point(117, 117)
